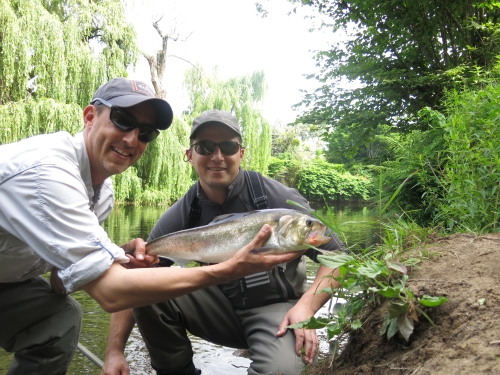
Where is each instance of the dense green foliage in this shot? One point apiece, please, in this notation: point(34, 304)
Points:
point(61, 50)
point(240, 96)
point(468, 198)
point(392, 59)
point(52, 69)
point(449, 175)
point(320, 181)
point(418, 114)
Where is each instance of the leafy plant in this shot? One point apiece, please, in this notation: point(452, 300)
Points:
point(366, 280)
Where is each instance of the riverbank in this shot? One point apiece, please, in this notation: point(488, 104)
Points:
point(466, 339)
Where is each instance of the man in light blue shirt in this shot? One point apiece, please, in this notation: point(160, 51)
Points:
point(55, 191)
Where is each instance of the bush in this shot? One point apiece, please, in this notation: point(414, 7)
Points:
point(320, 180)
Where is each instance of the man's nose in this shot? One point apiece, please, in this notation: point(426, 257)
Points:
point(131, 137)
point(217, 154)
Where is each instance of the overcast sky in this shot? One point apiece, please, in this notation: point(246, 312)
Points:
point(232, 35)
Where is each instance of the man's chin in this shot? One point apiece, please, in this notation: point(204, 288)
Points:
point(116, 168)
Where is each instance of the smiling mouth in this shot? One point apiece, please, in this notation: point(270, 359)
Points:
point(121, 152)
point(215, 169)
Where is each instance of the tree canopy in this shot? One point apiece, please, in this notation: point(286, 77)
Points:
point(53, 55)
point(397, 57)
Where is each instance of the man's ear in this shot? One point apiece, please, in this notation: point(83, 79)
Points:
point(188, 156)
point(89, 114)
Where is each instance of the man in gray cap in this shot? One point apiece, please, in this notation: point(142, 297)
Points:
point(247, 313)
point(56, 191)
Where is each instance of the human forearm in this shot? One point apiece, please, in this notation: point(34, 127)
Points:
point(119, 288)
point(312, 298)
point(120, 326)
point(305, 308)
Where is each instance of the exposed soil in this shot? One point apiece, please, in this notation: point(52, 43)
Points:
point(466, 339)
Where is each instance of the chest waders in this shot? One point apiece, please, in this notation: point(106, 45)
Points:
point(259, 199)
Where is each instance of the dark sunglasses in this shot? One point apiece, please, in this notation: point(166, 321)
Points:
point(208, 147)
point(126, 122)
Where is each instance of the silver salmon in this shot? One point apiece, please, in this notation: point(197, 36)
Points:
point(226, 234)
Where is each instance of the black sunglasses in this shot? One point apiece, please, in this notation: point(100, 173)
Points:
point(208, 147)
point(126, 122)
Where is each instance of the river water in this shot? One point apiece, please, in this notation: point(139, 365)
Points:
point(356, 229)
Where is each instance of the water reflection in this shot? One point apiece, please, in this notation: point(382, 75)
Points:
point(126, 222)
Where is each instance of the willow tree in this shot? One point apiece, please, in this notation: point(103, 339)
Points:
point(53, 56)
point(240, 96)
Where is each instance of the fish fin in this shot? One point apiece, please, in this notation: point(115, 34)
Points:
point(282, 265)
point(180, 262)
point(220, 218)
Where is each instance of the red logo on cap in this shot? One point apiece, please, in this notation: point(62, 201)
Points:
point(142, 88)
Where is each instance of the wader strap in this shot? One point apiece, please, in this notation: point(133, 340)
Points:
point(260, 202)
point(256, 190)
point(194, 213)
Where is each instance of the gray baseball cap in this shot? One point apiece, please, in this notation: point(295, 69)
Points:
point(215, 116)
point(125, 93)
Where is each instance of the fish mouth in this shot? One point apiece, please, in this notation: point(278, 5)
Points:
point(317, 239)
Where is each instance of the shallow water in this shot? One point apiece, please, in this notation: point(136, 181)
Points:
point(128, 222)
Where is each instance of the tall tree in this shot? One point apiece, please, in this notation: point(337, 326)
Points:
point(53, 55)
point(398, 57)
point(240, 96)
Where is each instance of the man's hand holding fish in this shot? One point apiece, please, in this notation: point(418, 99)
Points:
point(248, 262)
point(139, 259)
point(158, 282)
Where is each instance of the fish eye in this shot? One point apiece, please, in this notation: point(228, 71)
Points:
point(309, 222)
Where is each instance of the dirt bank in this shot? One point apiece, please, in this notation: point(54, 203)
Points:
point(466, 339)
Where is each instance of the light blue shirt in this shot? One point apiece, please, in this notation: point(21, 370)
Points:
point(46, 221)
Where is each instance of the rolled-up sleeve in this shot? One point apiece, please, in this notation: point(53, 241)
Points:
point(46, 207)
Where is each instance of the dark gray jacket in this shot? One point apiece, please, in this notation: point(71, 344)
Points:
point(282, 285)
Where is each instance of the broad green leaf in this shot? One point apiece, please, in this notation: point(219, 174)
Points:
point(393, 328)
point(405, 325)
point(333, 330)
point(357, 305)
point(432, 301)
point(334, 261)
point(328, 290)
point(385, 325)
point(371, 271)
point(356, 324)
point(311, 323)
point(387, 292)
point(397, 266)
point(397, 308)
